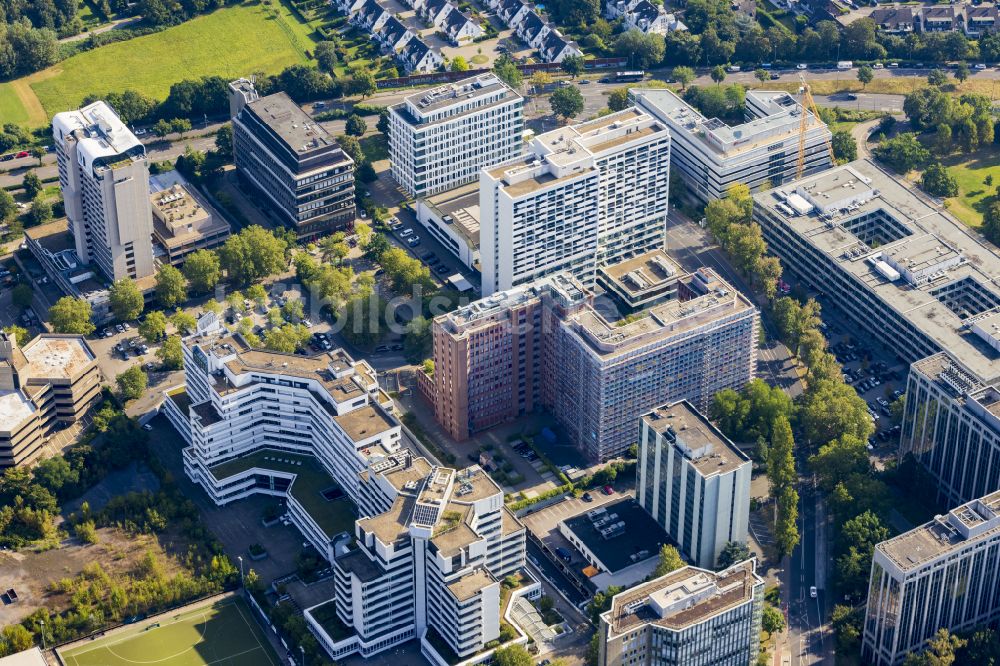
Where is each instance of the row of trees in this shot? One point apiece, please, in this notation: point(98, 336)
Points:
point(729, 221)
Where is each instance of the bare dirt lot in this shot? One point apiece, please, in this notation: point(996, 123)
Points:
point(31, 574)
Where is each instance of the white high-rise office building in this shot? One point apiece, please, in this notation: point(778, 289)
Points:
point(693, 481)
point(710, 155)
point(943, 574)
point(433, 545)
point(585, 195)
point(104, 179)
point(441, 138)
point(690, 616)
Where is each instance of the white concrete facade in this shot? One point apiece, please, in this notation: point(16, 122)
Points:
point(762, 152)
point(587, 194)
point(943, 574)
point(441, 138)
point(687, 466)
point(104, 178)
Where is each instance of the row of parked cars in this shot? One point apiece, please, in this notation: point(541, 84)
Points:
point(406, 233)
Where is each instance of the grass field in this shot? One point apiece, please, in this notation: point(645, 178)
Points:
point(230, 42)
point(222, 634)
point(970, 170)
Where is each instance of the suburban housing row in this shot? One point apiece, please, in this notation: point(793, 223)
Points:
point(533, 31)
point(408, 48)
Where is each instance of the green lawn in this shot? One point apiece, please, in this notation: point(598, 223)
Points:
point(973, 194)
point(375, 146)
point(11, 109)
point(223, 634)
point(230, 42)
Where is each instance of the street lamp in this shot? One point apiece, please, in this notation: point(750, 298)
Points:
point(42, 623)
point(302, 649)
point(242, 582)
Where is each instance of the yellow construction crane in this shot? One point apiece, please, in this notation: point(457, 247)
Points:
point(807, 104)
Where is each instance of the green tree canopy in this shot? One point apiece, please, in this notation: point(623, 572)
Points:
point(202, 270)
point(171, 287)
point(71, 315)
point(132, 383)
point(126, 299)
point(566, 102)
point(252, 255)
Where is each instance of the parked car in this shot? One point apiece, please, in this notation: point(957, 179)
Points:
point(563, 554)
point(802, 65)
point(812, 591)
point(979, 66)
point(147, 427)
point(415, 241)
point(23, 153)
point(587, 497)
point(608, 490)
point(406, 232)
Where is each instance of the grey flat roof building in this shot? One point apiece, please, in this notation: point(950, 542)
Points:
point(292, 161)
point(904, 270)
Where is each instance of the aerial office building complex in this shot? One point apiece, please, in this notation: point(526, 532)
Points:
point(441, 138)
point(279, 424)
point(943, 574)
point(710, 155)
point(104, 180)
point(584, 195)
point(292, 161)
point(52, 380)
point(433, 545)
point(689, 616)
point(693, 481)
point(545, 345)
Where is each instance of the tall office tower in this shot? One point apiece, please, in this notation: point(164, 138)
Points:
point(693, 481)
point(53, 379)
point(441, 138)
point(709, 155)
point(292, 161)
point(689, 616)
point(433, 545)
point(943, 574)
point(487, 355)
point(602, 376)
point(544, 344)
point(104, 179)
point(951, 427)
point(585, 195)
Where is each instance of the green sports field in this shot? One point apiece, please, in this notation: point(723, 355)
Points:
point(223, 634)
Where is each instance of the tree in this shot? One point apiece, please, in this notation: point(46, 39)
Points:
point(507, 71)
point(938, 181)
point(732, 553)
point(572, 65)
point(643, 50)
point(287, 338)
point(20, 334)
point(8, 207)
point(772, 620)
point(356, 125)
point(183, 322)
point(618, 99)
point(786, 531)
point(224, 142)
point(417, 340)
point(866, 75)
point(153, 327)
point(903, 152)
point(459, 64)
point(364, 233)
point(781, 463)
point(683, 75)
point(383, 122)
point(830, 409)
point(940, 651)
point(32, 185)
point(762, 75)
point(252, 255)
point(132, 383)
point(171, 287)
point(293, 311)
point(363, 82)
point(41, 211)
point(937, 78)
point(161, 128)
point(845, 147)
point(125, 299)
point(171, 353)
point(71, 315)
point(670, 560)
point(513, 655)
point(202, 270)
point(847, 627)
point(838, 459)
point(566, 102)
point(16, 638)
point(22, 295)
point(326, 56)
point(962, 72)
point(718, 74)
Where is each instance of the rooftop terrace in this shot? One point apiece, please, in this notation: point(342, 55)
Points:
point(309, 483)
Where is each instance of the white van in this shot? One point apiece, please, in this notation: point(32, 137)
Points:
point(845, 64)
